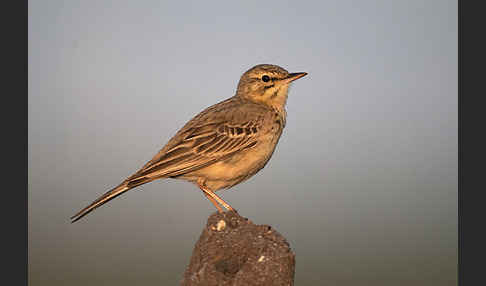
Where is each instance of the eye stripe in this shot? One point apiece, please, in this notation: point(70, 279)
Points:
point(259, 78)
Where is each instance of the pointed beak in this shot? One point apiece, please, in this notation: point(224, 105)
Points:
point(293, 76)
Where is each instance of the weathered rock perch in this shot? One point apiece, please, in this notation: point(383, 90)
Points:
point(234, 251)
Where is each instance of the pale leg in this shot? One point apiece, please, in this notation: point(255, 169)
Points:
point(215, 199)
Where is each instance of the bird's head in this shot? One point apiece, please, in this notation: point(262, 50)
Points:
point(267, 84)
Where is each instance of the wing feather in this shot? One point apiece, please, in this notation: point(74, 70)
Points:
point(200, 146)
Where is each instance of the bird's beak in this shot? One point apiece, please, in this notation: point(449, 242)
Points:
point(293, 76)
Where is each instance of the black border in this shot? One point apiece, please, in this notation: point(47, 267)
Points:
point(471, 143)
point(14, 143)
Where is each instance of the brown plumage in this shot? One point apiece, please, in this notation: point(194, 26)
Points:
point(223, 145)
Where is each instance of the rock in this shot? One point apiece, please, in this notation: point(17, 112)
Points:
point(234, 251)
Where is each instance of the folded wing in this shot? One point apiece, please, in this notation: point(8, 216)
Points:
point(197, 147)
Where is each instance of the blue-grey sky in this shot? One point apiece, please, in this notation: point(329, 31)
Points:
point(363, 182)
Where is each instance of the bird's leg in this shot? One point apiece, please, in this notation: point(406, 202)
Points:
point(215, 203)
point(214, 198)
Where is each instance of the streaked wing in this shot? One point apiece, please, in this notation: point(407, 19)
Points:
point(199, 146)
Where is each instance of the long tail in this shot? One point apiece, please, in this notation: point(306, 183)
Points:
point(108, 196)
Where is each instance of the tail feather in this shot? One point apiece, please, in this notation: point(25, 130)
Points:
point(108, 196)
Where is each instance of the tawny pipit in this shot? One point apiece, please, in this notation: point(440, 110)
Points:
point(223, 145)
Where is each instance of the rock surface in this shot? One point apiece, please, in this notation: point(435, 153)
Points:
point(234, 251)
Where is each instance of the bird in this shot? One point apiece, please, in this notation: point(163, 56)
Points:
point(225, 144)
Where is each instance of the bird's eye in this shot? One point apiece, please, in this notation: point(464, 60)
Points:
point(265, 78)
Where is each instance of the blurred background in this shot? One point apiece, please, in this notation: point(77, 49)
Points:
point(363, 183)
